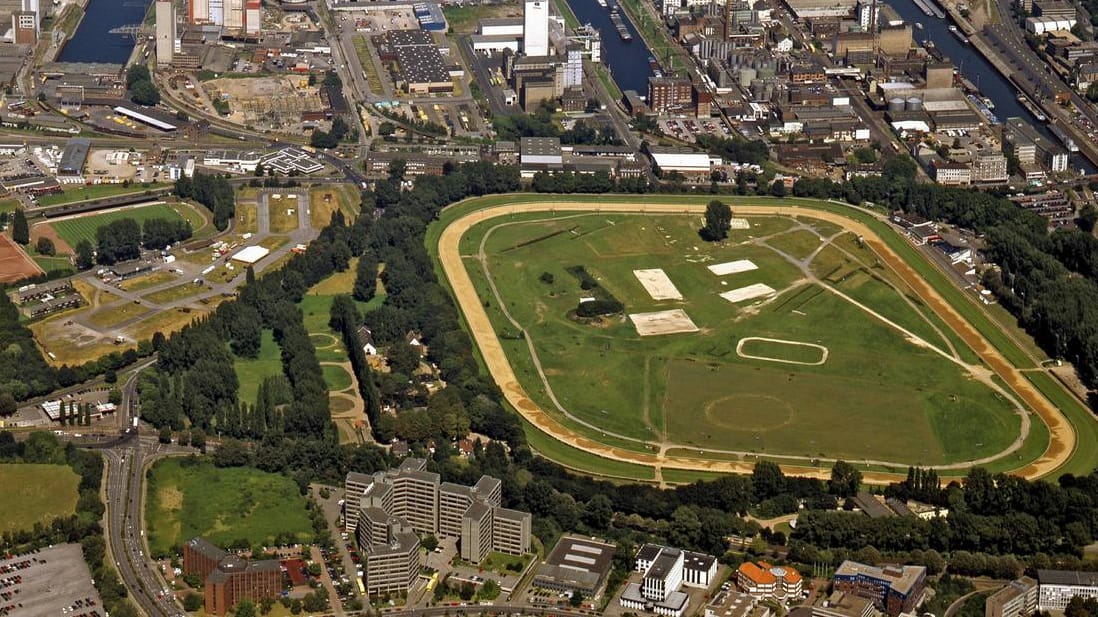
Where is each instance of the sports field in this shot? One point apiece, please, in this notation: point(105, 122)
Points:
point(73, 230)
point(188, 499)
point(35, 494)
point(843, 357)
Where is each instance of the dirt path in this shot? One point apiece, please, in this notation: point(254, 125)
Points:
point(1062, 436)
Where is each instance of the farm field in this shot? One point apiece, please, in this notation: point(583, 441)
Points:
point(73, 230)
point(814, 369)
point(188, 499)
point(34, 493)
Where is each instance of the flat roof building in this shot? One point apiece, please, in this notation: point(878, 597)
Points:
point(576, 564)
point(1018, 599)
point(74, 156)
point(1058, 587)
point(666, 570)
point(893, 589)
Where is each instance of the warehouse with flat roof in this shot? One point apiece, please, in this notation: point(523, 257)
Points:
point(74, 156)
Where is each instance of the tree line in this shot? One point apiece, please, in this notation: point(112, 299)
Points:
point(122, 239)
point(212, 191)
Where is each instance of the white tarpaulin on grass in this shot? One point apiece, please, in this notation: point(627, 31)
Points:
point(657, 284)
point(733, 267)
point(750, 292)
point(663, 322)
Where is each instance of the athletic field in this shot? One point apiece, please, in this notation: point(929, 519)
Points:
point(73, 230)
point(803, 345)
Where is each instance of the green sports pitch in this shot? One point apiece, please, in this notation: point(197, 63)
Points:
point(839, 360)
point(73, 230)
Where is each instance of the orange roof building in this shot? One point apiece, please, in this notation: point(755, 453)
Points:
point(763, 580)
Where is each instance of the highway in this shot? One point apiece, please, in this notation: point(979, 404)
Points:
point(125, 530)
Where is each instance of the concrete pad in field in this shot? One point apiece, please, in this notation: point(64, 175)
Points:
point(657, 284)
point(662, 322)
point(733, 267)
point(750, 292)
point(739, 224)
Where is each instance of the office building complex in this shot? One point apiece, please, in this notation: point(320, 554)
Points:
point(1018, 599)
point(535, 28)
point(666, 570)
point(763, 580)
point(1058, 587)
point(893, 589)
point(229, 579)
point(388, 509)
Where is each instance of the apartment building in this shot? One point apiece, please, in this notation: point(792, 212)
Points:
point(386, 508)
point(1018, 599)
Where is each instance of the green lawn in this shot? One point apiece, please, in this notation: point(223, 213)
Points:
point(34, 493)
point(95, 191)
point(189, 498)
point(641, 387)
point(935, 388)
point(336, 377)
point(80, 228)
point(251, 372)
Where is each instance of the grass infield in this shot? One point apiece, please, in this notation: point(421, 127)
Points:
point(955, 417)
point(80, 228)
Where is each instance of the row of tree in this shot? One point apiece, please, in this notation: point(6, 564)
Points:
point(212, 191)
point(122, 239)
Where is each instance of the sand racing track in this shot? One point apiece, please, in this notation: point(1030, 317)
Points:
point(1062, 435)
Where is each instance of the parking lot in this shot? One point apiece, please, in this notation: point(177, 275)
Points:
point(50, 581)
point(687, 129)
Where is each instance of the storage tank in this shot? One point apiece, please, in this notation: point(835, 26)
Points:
point(896, 104)
point(914, 103)
point(747, 75)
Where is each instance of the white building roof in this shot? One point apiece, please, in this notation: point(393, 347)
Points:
point(251, 254)
point(690, 161)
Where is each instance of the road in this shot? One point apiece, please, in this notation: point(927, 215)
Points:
point(124, 516)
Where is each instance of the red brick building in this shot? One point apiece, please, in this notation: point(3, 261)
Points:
point(229, 579)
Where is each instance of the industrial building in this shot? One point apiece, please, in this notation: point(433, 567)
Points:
point(535, 30)
point(422, 68)
point(576, 564)
point(74, 156)
point(166, 39)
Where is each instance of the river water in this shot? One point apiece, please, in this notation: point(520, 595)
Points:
point(628, 60)
point(977, 69)
point(93, 42)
